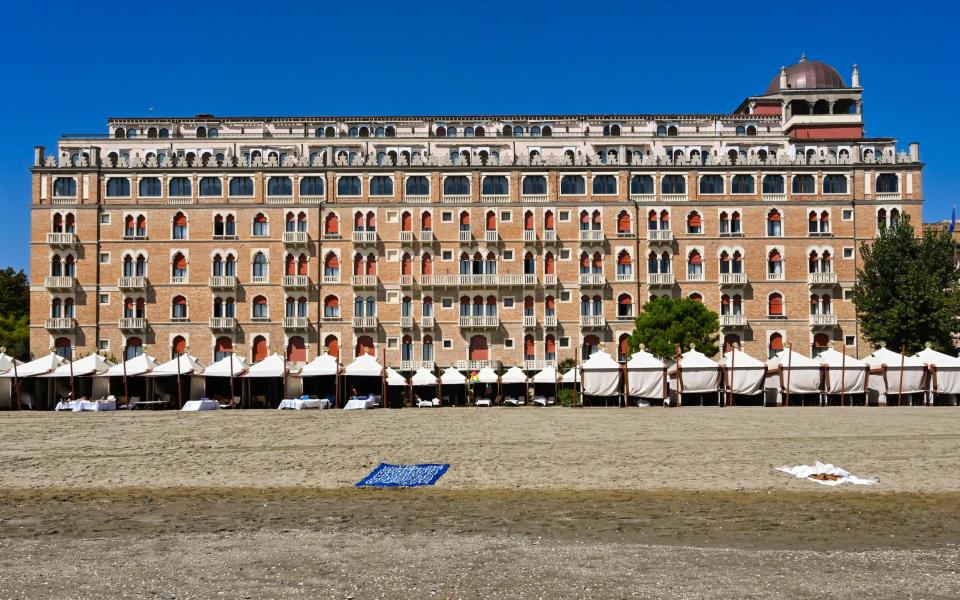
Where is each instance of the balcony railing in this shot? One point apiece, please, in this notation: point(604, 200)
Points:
point(823, 320)
point(529, 321)
point(466, 236)
point(406, 236)
point(625, 277)
point(279, 199)
point(480, 321)
point(364, 322)
point(491, 235)
point(534, 198)
point(296, 281)
point(495, 198)
point(295, 238)
point(414, 365)
point(223, 323)
point(476, 365)
point(299, 323)
point(774, 197)
point(888, 196)
point(673, 197)
point(364, 237)
point(61, 323)
point(331, 235)
point(591, 235)
point(59, 282)
point(364, 281)
point(426, 322)
point(61, 239)
point(132, 324)
point(331, 278)
point(538, 365)
point(660, 279)
point(426, 235)
point(223, 281)
point(698, 276)
point(455, 199)
point(822, 278)
point(660, 235)
point(132, 283)
point(775, 276)
point(549, 235)
point(550, 321)
point(550, 279)
point(643, 197)
point(592, 279)
point(417, 198)
point(733, 278)
point(406, 280)
point(591, 321)
point(311, 199)
point(733, 320)
point(529, 235)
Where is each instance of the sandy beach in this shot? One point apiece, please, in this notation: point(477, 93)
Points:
point(538, 503)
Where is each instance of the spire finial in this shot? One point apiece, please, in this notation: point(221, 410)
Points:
point(803, 56)
point(928, 345)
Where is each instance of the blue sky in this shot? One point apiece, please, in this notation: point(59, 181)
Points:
point(68, 66)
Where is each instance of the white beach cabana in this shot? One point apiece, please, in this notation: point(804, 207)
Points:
point(843, 375)
point(793, 374)
point(601, 375)
point(188, 369)
point(646, 376)
point(37, 366)
point(424, 378)
point(36, 393)
point(229, 367)
point(367, 372)
point(694, 373)
point(944, 378)
point(126, 381)
point(453, 379)
point(262, 379)
point(743, 375)
point(487, 377)
point(7, 379)
point(88, 367)
point(893, 376)
point(321, 377)
point(515, 379)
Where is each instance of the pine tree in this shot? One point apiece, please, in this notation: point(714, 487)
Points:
point(666, 322)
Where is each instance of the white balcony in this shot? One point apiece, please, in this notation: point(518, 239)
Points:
point(481, 322)
point(426, 235)
point(259, 279)
point(624, 277)
point(476, 365)
point(529, 235)
point(331, 278)
point(823, 320)
point(550, 279)
point(660, 279)
point(295, 238)
point(406, 322)
point(133, 324)
point(775, 276)
point(491, 235)
point(406, 280)
point(774, 198)
point(694, 276)
point(549, 235)
point(406, 236)
point(364, 322)
point(414, 365)
point(823, 278)
point(426, 322)
point(591, 235)
point(643, 198)
point(132, 283)
point(733, 320)
point(331, 235)
point(673, 197)
point(59, 282)
point(592, 321)
point(223, 282)
point(311, 199)
point(529, 321)
point(61, 323)
point(538, 365)
point(417, 198)
point(534, 198)
point(223, 323)
point(733, 278)
point(364, 237)
point(298, 323)
point(296, 281)
point(888, 196)
point(495, 198)
point(279, 200)
point(660, 235)
point(455, 199)
point(61, 239)
point(592, 279)
point(364, 281)
point(466, 236)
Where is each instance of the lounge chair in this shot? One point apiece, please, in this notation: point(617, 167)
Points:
point(483, 402)
point(421, 403)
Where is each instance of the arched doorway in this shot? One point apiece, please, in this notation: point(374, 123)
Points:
point(62, 346)
point(478, 348)
point(729, 340)
point(259, 348)
point(365, 345)
point(776, 344)
point(333, 346)
point(296, 349)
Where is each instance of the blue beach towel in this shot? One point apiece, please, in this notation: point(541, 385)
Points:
point(404, 475)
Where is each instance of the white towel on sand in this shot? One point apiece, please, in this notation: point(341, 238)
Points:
point(839, 476)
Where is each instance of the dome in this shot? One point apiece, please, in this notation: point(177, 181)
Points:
point(808, 75)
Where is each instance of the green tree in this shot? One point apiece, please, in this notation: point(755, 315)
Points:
point(908, 289)
point(666, 322)
point(566, 364)
point(14, 293)
point(15, 335)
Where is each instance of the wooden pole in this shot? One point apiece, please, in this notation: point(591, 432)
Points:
point(733, 358)
point(625, 385)
point(179, 384)
point(679, 376)
point(16, 381)
point(383, 377)
point(126, 390)
point(73, 395)
point(843, 377)
point(903, 357)
point(230, 357)
point(336, 384)
point(789, 372)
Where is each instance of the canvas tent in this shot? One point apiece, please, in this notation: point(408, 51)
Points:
point(125, 380)
point(646, 376)
point(743, 375)
point(165, 375)
point(944, 373)
point(35, 392)
point(268, 382)
point(320, 377)
point(843, 374)
point(514, 381)
point(87, 368)
point(601, 375)
point(451, 380)
point(794, 374)
point(6, 380)
point(893, 375)
point(694, 373)
point(215, 374)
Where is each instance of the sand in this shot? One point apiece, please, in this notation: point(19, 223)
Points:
point(551, 503)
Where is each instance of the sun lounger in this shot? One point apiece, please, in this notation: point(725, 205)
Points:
point(484, 402)
point(540, 400)
point(510, 401)
point(424, 403)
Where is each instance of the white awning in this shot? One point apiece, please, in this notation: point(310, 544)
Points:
point(698, 373)
point(486, 375)
point(189, 365)
point(601, 375)
point(571, 376)
point(272, 366)
point(852, 371)
point(424, 377)
point(222, 368)
point(452, 377)
point(138, 365)
point(323, 365)
point(744, 372)
point(912, 371)
point(646, 375)
point(947, 378)
point(36, 367)
point(801, 374)
point(365, 365)
point(516, 375)
point(394, 378)
point(93, 364)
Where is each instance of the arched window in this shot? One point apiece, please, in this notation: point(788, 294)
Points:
point(119, 133)
point(673, 184)
point(624, 266)
point(591, 345)
point(604, 184)
point(694, 265)
point(641, 184)
point(331, 307)
point(260, 308)
point(572, 185)
point(887, 183)
point(381, 185)
point(464, 221)
point(495, 185)
point(456, 185)
point(774, 223)
point(426, 264)
point(260, 225)
point(835, 184)
point(331, 225)
point(279, 186)
point(697, 297)
point(711, 184)
point(775, 305)
point(179, 308)
point(241, 186)
point(775, 345)
point(64, 186)
point(694, 223)
point(311, 186)
point(624, 306)
point(534, 185)
point(742, 184)
point(365, 346)
point(332, 345)
point(331, 268)
point(118, 187)
point(418, 185)
point(773, 184)
point(348, 185)
point(774, 264)
point(70, 266)
point(803, 184)
point(296, 349)
point(180, 187)
point(491, 221)
point(624, 226)
point(259, 265)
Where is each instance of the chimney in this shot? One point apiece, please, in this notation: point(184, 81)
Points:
point(783, 77)
point(915, 151)
point(38, 156)
point(855, 78)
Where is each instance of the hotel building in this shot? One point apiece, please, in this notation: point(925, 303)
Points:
point(456, 240)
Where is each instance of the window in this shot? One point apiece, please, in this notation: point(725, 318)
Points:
point(742, 184)
point(64, 186)
point(211, 186)
point(774, 223)
point(118, 187)
point(887, 183)
point(605, 184)
point(180, 186)
point(534, 185)
point(803, 184)
point(381, 185)
point(848, 252)
point(456, 185)
point(711, 184)
point(418, 186)
point(694, 265)
point(279, 186)
point(673, 184)
point(260, 225)
point(641, 184)
point(835, 184)
point(775, 305)
point(105, 218)
point(508, 255)
point(348, 186)
point(694, 223)
point(259, 265)
point(774, 265)
point(104, 299)
point(730, 223)
point(773, 184)
point(495, 185)
point(149, 187)
point(624, 226)
point(104, 258)
point(572, 185)
point(311, 186)
point(179, 309)
point(241, 186)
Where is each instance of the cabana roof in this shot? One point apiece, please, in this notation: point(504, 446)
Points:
point(884, 356)
point(323, 365)
point(516, 375)
point(424, 377)
point(272, 366)
point(93, 364)
point(365, 365)
point(452, 377)
point(36, 367)
point(741, 360)
point(6, 362)
point(600, 361)
point(571, 376)
point(138, 365)
point(793, 359)
point(938, 359)
point(832, 358)
point(394, 378)
point(486, 375)
point(222, 367)
point(643, 360)
point(189, 365)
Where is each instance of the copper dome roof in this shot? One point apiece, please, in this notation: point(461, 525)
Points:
point(808, 75)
